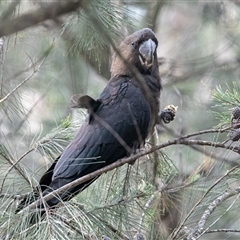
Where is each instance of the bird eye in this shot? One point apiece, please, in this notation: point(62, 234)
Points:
point(133, 44)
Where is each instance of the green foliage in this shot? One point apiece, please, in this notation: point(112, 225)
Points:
point(226, 99)
point(113, 210)
point(167, 169)
point(160, 191)
point(54, 142)
point(4, 153)
point(87, 37)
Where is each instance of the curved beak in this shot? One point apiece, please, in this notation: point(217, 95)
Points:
point(146, 53)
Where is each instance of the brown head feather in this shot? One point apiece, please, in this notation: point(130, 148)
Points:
point(129, 50)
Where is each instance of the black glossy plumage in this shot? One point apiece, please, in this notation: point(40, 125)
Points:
point(123, 106)
point(94, 146)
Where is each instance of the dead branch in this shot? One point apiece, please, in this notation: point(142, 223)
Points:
point(49, 11)
point(223, 230)
point(175, 233)
point(199, 229)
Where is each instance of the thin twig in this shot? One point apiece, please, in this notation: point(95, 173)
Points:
point(35, 70)
point(12, 196)
point(74, 228)
point(14, 164)
point(19, 125)
point(122, 201)
point(113, 132)
point(223, 230)
point(230, 206)
point(175, 233)
point(18, 170)
point(146, 206)
point(113, 229)
point(204, 151)
point(199, 229)
point(17, 87)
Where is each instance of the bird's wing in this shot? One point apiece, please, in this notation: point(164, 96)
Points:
point(123, 108)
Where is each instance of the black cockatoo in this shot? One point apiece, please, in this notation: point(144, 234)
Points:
point(124, 106)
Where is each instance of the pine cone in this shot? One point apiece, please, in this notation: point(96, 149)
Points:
point(168, 114)
point(235, 135)
point(236, 113)
point(235, 118)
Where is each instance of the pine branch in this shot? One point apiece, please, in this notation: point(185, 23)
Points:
point(35, 66)
point(198, 232)
point(132, 158)
point(201, 149)
point(49, 11)
point(145, 207)
point(223, 230)
point(30, 111)
point(20, 84)
point(9, 159)
point(175, 233)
